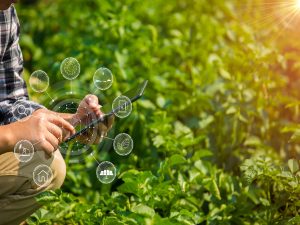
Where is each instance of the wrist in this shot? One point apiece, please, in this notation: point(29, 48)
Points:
point(8, 139)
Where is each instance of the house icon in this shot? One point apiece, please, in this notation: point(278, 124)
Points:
point(43, 176)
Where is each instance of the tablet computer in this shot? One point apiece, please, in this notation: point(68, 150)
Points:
point(132, 95)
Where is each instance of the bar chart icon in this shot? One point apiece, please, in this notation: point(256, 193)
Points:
point(106, 173)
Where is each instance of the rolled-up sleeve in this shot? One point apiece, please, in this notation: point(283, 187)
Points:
point(13, 88)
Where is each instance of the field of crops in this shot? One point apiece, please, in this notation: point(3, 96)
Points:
point(216, 134)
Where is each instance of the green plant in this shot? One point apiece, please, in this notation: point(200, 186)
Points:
point(214, 127)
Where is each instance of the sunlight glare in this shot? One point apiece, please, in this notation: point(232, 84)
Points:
point(297, 4)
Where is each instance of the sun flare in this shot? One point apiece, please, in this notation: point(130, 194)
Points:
point(297, 4)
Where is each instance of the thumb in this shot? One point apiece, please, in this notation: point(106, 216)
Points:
point(91, 100)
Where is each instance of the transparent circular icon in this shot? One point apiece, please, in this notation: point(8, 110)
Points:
point(106, 172)
point(21, 110)
point(42, 175)
point(123, 144)
point(24, 151)
point(70, 68)
point(103, 78)
point(122, 106)
point(39, 81)
point(76, 148)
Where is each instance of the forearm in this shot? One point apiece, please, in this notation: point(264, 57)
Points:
point(7, 139)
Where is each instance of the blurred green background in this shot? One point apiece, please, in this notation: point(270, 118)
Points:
point(216, 135)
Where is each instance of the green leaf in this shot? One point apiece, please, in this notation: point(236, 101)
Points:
point(143, 210)
point(293, 221)
point(157, 220)
point(112, 221)
point(252, 141)
point(201, 153)
point(296, 136)
point(225, 74)
point(231, 110)
point(264, 201)
point(48, 196)
point(147, 104)
point(158, 141)
point(293, 165)
point(176, 160)
point(212, 187)
point(206, 122)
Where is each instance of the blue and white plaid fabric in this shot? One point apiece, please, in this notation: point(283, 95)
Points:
point(12, 85)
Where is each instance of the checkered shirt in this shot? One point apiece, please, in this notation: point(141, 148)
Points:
point(12, 86)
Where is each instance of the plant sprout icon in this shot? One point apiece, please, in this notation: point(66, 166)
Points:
point(123, 145)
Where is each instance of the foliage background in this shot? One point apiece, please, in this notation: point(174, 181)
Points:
point(213, 134)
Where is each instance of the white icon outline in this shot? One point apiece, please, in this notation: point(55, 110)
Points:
point(101, 73)
point(24, 151)
point(123, 144)
point(42, 175)
point(21, 110)
point(106, 172)
point(65, 68)
point(122, 106)
point(38, 77)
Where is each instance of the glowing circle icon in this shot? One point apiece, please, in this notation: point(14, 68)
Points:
point(123, 144)
point(103, 78)
point(122, 106)
point(24, 151)
point(106, 172)
point(39, 81)
point(21, 110)
point(70, 68)
point(42, 175)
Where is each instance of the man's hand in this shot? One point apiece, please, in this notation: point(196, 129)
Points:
point(89, 109)
point(44, 129)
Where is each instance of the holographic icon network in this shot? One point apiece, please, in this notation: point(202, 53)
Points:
point(68, 102)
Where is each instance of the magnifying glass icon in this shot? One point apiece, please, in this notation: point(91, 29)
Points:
point(21, 110)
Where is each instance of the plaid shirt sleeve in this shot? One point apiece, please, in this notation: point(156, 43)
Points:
point(12, 86)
